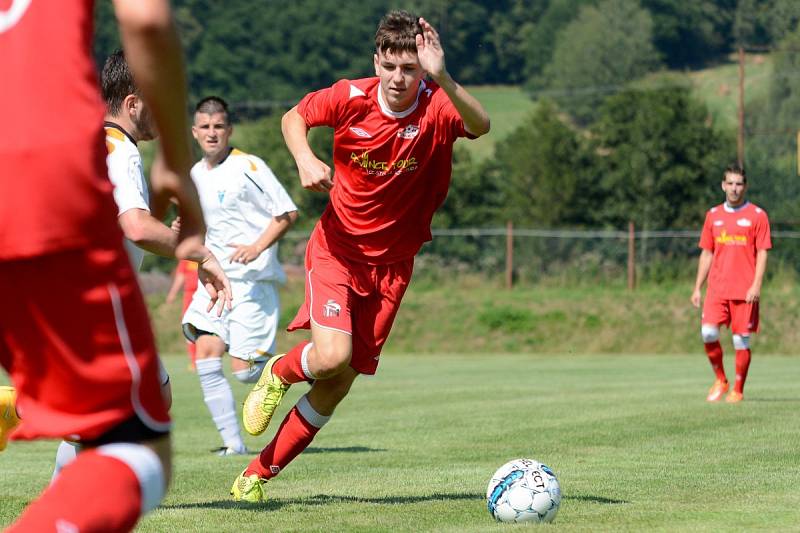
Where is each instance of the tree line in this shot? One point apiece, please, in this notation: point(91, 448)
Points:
point(602, 146)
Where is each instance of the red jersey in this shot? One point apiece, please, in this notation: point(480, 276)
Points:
point(53, 179)
point(734, 235)
point(391, 170)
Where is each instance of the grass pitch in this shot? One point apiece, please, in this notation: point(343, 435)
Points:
point(633, 442)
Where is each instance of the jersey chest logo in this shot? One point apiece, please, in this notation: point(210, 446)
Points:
point(220, 196)
point(409, 132)
point(360, 132)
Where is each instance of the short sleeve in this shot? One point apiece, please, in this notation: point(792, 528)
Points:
point(322, 108)
point(448, 118)
point(707, 235)
point(763, 237)
point(125, 172)
point(275, 199)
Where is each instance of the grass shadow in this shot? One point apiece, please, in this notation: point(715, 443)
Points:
point(327, 499)
point(344, 449)
point(324, 499)
point(595, 499)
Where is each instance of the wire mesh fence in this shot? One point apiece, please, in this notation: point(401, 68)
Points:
point(561, 257)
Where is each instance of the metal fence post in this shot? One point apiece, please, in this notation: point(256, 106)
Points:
point(509, 254)
point(631, 256)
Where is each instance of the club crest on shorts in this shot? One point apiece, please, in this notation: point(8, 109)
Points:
point(331, 308)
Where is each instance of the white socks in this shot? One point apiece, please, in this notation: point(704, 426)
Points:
point(219, 399)
point(66, 453)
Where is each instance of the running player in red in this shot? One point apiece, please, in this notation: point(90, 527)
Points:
point(392, 149)
point(734, 242)
point(77, 342)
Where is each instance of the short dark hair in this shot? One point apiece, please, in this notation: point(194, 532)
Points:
point(735, 168)
point(116, 82)
point(397, 32)
point(213, 104)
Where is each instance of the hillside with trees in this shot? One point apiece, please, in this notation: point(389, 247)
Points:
point(612, 137)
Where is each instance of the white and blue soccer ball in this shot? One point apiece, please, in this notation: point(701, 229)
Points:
point(523, 490)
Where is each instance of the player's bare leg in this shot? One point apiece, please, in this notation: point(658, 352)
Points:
point(326, 356)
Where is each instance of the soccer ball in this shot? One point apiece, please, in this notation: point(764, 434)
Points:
point(523, 490)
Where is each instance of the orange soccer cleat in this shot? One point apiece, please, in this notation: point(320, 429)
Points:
point(734, 397)
point(717, 390)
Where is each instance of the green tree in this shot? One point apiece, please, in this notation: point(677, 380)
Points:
point(660, 160)
point(765, 22)
point(544, 173)
point(690, 34)
point(606, 47)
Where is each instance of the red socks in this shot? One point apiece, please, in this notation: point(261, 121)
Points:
point(290, 367)
point(94, 493)
point(294, 436)
point(742, 365)
point(714, 352)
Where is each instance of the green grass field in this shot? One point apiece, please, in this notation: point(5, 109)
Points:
point(632, 440)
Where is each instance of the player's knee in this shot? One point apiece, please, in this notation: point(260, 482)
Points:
point(709, 333)
point(252, 372)
point(741, 342)
point(330, 359)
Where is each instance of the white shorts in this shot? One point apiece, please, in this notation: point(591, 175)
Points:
point(248, 330)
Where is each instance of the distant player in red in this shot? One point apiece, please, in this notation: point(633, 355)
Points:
point(392, 151)
point(185, 279)
point(77, 342)
point(734, 242)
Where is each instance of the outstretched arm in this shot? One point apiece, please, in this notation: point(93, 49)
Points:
point(431, 58)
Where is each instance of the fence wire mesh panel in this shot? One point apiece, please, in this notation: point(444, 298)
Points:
point(561, 257)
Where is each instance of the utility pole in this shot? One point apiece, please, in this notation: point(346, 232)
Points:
point(740, 136)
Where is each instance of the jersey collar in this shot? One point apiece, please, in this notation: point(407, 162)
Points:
point(729, 209)
point(399, 114)
point(109, 124)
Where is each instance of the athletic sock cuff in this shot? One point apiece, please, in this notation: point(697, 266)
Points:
point(145, 465)
point(310, 414)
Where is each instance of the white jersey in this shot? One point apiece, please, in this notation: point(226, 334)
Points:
point(240, 196)
point(126, 173)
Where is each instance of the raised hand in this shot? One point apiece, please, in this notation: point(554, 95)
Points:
point(430, 51)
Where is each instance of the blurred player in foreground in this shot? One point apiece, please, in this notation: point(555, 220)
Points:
point(392, 150)
point(247, 211)
point(184, 278)
point(77, 342)
point(734, 242)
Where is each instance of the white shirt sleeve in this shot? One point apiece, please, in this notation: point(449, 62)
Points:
point(130, 188)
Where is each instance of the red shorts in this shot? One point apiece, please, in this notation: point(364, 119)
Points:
point(741, 317)
point(356, 298)
point(76, 340)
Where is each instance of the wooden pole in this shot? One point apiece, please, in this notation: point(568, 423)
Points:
point(740, 136)
point(631, 256)
point(509, 254)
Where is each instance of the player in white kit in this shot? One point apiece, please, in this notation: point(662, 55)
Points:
point(247, 211)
